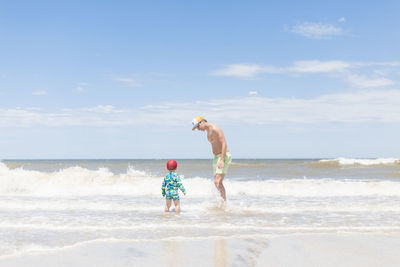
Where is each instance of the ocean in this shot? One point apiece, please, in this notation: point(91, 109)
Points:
point(48, 205)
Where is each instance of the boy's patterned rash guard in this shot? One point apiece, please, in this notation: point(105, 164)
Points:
point(171, 184)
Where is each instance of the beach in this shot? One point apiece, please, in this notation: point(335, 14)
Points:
point(298, 250)
point(282, 118)
point(314, 212)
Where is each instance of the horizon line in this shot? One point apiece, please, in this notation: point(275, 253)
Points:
point(210, 158)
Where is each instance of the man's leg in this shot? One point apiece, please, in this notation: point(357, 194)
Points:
point(219, 185)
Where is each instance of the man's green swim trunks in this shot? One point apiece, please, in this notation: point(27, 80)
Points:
point(227, 161)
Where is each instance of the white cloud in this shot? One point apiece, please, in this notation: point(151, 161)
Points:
point(361, 81)
point(354, 73)
point(81, 86)
point(253, 93)
point(361, 106)
point(342, 19)
point(128, 81)
point(39, 92)
point(383, 64)
point(245, 70)
point(315, 66)
point(304, 66)
point(316, 30)
point(102, 109)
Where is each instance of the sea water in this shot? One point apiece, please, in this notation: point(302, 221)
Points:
point(51, 204)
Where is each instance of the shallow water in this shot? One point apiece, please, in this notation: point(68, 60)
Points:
point(51, 204)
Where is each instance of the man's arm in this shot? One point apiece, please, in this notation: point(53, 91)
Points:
point(224, 148)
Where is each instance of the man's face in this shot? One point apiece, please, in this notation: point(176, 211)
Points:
point(201, 126)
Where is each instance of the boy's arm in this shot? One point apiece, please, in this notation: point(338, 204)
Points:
point(180, 185)
point(163, 188)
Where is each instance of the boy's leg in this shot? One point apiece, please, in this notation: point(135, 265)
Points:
point(167, 204)
point(177, 204)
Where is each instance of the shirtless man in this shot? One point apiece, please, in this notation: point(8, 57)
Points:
point(222, 157)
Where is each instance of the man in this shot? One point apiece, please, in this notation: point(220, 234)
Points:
point(222, 157)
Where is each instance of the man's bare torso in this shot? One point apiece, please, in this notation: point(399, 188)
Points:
point(215, 136)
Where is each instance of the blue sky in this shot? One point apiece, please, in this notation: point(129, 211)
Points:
point(123, 79)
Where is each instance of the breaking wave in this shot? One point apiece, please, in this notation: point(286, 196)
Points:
point(364, 162)
point(82, 181)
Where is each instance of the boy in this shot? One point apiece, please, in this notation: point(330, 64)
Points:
point(171, 184)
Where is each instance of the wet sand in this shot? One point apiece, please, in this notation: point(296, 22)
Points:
point(295, 250)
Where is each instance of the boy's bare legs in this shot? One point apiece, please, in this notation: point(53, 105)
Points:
point(219, 185)
point(177, 204)
point(167, 204)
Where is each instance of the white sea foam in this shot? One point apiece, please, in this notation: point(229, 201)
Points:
point(73, 180)
point(81, 181)
point(365, 162)
point(237, 208)
point(199, 226)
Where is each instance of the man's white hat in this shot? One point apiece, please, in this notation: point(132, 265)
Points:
point(196, 121)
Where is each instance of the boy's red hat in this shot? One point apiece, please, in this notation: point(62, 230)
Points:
point(172, 165)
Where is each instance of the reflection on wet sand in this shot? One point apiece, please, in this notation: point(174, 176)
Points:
point(172, 253)
point(220, 256)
